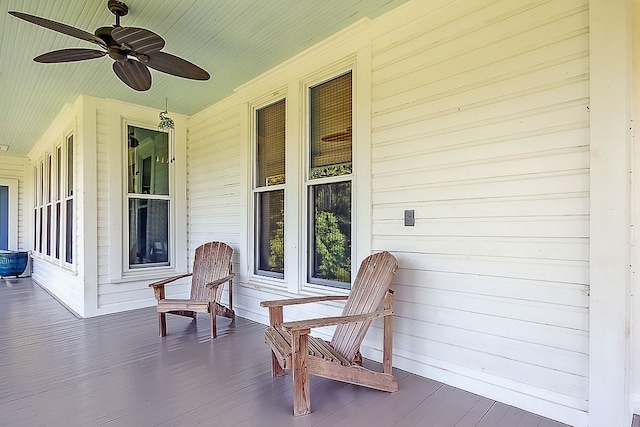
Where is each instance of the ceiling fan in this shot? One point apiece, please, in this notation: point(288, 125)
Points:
point(133, 49)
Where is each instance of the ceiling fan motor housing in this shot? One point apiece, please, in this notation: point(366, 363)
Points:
point(118, 8)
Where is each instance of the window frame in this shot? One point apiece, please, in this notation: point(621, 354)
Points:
point(309, 183)
point(297, 168)
point(69, 160)
point(256, 191)
point(53, 190)
point(146, 268)
point(57, 203)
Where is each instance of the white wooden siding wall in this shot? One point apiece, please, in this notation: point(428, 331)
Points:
point(104, 171)
point(18, 168)
point(213, 171)
point(480, 124)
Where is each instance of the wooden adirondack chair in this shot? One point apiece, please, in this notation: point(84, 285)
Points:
point(211, 269)
point(293, 348)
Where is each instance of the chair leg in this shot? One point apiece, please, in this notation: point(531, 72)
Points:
point(387, 346)
point(276, 318)
point(276, 369)
point(162, 324)
point(223, 311)
point(300, 371)
point(212, 316)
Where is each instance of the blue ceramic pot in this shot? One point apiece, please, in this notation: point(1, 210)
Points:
point(13, 263)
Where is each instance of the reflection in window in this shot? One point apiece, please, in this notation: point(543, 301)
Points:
point(271, 232)
point(148, 195)
point(148, 231)
point(331, 233)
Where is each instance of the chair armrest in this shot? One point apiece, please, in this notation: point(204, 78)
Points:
point(220, 281)
point(331, 321)
point(305, 300)
point(169, 280)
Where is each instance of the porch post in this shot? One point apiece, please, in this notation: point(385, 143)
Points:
point(610, 212)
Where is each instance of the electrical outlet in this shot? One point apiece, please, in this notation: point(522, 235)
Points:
point(409, 218)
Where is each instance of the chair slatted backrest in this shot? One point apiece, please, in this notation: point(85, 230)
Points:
point(212, 261)
point(372, 282)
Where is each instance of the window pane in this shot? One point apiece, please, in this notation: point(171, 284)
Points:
point(48, 232)
point(68, 255)
point(271, 232)
point(270, 123)
point(330, 123)
point(41, 186)
point(49, 180)
point(35, 186)
point(35, 227)
point(331, 238)
point(148, 161)
point(70, 166)
point(58, 230)
point(58, 172)
point(40, 228)
point(148, 231)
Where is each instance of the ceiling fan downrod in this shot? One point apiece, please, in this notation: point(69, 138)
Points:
point(119, 9)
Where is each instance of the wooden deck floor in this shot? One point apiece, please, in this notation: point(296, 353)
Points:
point(56, 369)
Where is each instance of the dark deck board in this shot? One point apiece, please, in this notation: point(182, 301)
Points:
point(56, 369)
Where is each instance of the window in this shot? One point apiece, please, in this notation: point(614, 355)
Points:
point(48, 200)
point(68, 211)
point(324, 173)
point(269, 189)
point(37, 189)
point(329, 182)
point(53, 203)
point(58, 194)
point(148, 197)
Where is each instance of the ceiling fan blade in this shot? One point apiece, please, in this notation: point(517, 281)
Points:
point(59, 27)
point(69, 55)
point(171, 64)
point(139, 39)
point(133, 73)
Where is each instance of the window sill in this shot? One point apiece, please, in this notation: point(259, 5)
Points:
point(146, 275)
point(307, 291)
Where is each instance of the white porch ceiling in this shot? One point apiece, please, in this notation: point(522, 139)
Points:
point(234, 40)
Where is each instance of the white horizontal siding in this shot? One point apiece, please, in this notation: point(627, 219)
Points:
point(213, 177)
point(480, 125)
point(104, 170)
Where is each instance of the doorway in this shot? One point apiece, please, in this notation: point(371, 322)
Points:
point(4, 217)
point(8, 214)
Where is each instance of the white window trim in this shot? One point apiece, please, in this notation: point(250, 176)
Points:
point(119, 114)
